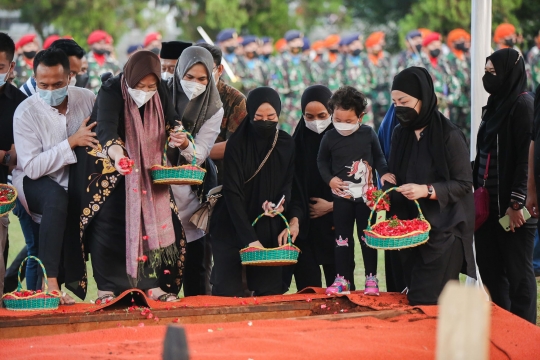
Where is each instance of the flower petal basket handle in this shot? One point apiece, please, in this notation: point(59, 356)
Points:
point(37, 301)
point(284, 255)
point(381, 242)
point(178, 175)
point(7, 206)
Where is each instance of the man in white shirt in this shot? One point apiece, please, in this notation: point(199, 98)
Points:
point(47, 127)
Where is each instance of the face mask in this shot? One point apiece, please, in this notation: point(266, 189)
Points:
point(264, 128)
point(296, 50)
point(166, 75)
point(215, 76)
point(418, 47)
point(406, 115)
point(140, 97)
point(492, 83)
point(230, 49)
point(509, 42)
point(334, 51)
point(155, 50)
point(265, 56)
point(318, 126)
point(346, 129)
point(356, 52)
point(100, 51)
point(72, 81)
point(3, 78)
point(107, 52)
point(192, 89)
point(29, 54)
point(461, 47)
point(82, 80)
point(435, 53)
point(53, 97)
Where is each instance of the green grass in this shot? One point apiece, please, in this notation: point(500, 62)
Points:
point(16, 243)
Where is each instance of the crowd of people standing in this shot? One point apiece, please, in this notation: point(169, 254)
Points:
point(358, 118)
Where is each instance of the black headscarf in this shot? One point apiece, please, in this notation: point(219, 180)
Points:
point(509, 65)
point(434, 122)
point(307, 144)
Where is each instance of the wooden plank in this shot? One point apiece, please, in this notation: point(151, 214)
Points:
point(379, 314)
point(463, 323)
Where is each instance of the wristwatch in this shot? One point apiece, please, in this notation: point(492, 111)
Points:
point(516, 205)
point(7, 157)
point(429, 191)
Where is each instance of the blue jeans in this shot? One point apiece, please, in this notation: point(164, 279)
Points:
point(536, 254)
point(30, 231)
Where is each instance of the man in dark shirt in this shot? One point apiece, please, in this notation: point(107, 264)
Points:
point(10, 98)
point(534, 177)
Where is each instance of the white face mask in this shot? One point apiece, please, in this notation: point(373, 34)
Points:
point(4, 77)
point(215, 76)
point(346, 129)
point(192, 89)
point(72, 81)
point(166, 75)
point(318, 126)
point(140, 97)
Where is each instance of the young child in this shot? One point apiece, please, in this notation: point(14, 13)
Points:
point(348, 158)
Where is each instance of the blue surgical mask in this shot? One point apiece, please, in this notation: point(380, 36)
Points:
point(53, 97)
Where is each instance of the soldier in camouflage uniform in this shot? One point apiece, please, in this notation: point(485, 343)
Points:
point(380, 67)
point(410, 57)
point(446, 86)
point(291, 76)
point(330, 67)
point(28, 47)
point(227, 40)
point(250, 68)
point(99, 61)
point(459, 61)
point(533, 59)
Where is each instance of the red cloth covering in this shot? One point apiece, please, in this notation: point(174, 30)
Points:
point(48, 41)
point(151, 37)
point(434, 36)
point(97, 36)
point(25, 39)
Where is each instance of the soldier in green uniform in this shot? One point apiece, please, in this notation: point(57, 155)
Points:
point(290, 77)
point(330, 66)
point(227, 40)
point(459, 42)
point(533, 59)
point(99, 61)
point(27, 47)
point(380, 66)
point(412, 56)
point(249, 67)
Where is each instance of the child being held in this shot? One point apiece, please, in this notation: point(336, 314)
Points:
point(347, 158)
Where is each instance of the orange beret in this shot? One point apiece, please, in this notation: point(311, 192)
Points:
point(26, 39)
point(48, 41)
point(502, 31)
point(374, 39)
point(318, 45)
point(457, 34)
point(151, 37)
point(434, 36)
point(97, 36)
point(425, 32)
point(331, 40)
point(280, 44)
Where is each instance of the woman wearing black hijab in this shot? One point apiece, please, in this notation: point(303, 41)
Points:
point(247, 189)
point(430, 159)
point(312, 202)
point(505, 258)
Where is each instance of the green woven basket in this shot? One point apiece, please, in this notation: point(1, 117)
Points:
point(409, 240)
point(178, 175)
point(38, 301)
point(6, 207)
point(284, 255)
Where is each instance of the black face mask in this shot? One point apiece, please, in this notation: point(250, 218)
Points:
point(509, 42)
point(418, 47)
point(230, 49)
point(82, 80)
point(492, 83)
point(461, 47)
point(265, 56)
point(406, 115)
point(356, 52)
point(334, 51)
point(264, 128)
point(155, 50)
point(296, 50)
point(29, 54)
point(100, 51)
point(435, 53)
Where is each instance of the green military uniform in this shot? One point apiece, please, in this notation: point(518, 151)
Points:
point(460, 110)
point(406, 59)
point(380, 93)
point(95, 70)
point(290, 77)
point(252, 72)
point(533, 59)
point(446, 86)
point(355, 72)
point(22, 72)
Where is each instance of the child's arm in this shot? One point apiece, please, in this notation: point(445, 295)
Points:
point(379, 160)
point(324, 162)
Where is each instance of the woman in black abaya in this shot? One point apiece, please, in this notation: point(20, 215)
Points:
point(430, 159)
point(246, 191)
point(311, 206)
